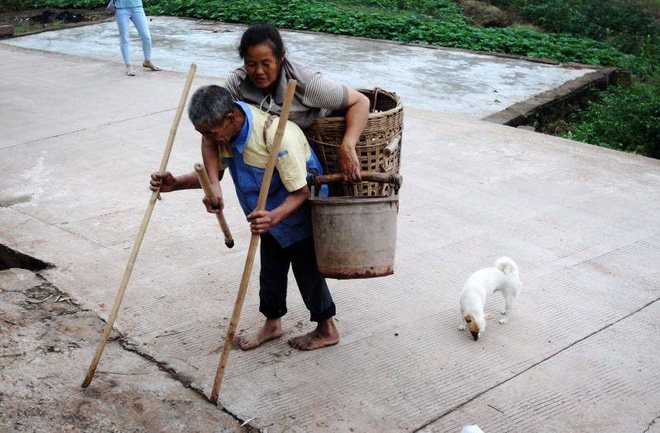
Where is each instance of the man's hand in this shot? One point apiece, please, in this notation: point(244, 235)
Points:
point(261, 221)
point(349, 163)
point(209, 205)
point(165, 181)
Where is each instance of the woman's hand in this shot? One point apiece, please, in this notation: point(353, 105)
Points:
point(261, 221)
point(349, 163)
point(357, 114)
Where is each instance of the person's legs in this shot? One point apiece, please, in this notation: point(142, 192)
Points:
point(272, 292)
point(122, 17)
point(142, 25)
point(316, 295)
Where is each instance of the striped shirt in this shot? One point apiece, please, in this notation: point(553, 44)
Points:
point(315, 96)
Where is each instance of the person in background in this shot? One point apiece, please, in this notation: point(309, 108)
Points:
point(263, 78)
point(132, 10)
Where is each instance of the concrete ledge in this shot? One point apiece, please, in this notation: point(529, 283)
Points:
point(554, 104)
point(6, 31)
point(62, 27)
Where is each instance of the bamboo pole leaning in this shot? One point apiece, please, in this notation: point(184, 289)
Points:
point(141, 232)
point(254, 242)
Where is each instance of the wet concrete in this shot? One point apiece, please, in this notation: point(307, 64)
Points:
point(448, 81)
point(579, 354)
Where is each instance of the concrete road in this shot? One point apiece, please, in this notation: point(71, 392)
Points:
point(580, 353)
point(441, 80)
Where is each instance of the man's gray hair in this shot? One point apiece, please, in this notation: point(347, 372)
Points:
point(209, 104)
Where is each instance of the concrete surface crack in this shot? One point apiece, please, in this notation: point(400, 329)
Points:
point(479, 394)
point(89, 128)
point(130, 345)
point(651, 424)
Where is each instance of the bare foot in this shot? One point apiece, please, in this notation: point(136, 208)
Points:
point(271, 330)
point(325, 334)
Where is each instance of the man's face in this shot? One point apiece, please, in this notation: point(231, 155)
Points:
point(221, 133)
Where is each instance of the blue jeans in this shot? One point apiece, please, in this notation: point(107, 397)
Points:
point(123, 16)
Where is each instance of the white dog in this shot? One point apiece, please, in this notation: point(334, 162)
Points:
point(502, 278)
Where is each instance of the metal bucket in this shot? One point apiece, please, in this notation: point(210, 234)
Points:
point(355, 237)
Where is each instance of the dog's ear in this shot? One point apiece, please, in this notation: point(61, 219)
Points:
point(472, 323)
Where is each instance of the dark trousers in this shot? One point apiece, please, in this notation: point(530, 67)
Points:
point(275, 262)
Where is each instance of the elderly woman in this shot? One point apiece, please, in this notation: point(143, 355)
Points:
point(262, 81)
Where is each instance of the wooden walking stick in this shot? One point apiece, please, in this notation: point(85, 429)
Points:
point(254, 241)
point(140, 236)
point(206, 185)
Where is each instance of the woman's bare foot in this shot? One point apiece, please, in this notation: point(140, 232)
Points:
point(325, 334)
point(271, 330)
point(130, 71)
point(150, 65)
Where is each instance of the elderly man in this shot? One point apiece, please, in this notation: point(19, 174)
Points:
point(238, 137)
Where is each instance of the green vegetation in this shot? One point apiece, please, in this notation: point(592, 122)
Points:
point(624, 119)
point(445, 25)
point(622, 33)
point(624, 24)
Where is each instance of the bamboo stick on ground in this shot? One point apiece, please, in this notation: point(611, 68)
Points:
point(254, 242)
point(140, 236)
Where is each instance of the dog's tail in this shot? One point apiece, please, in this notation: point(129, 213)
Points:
point(507, 265)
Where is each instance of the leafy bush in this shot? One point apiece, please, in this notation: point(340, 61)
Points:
point(624, 119)
point(625, 24)
point(88, 4)
point(14, 5)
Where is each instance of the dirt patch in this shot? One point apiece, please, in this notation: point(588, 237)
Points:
point(37, 20)
point(46, 344)
point(484, 14)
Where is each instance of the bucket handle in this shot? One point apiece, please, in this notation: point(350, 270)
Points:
point(396, 180)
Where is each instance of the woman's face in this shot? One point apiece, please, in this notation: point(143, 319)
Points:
point(261, 65)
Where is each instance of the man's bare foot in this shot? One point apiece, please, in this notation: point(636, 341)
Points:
point(271, 330)
point(325, 334)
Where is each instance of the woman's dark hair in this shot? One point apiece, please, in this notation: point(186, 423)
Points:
point(259, 33)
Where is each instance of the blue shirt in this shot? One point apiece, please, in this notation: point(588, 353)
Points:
point(248, 179)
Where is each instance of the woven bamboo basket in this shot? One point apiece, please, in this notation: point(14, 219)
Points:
point(378, 149)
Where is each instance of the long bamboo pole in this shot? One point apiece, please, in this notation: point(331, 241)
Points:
point(206, 186)
point(140, 236)
point(254, 241)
